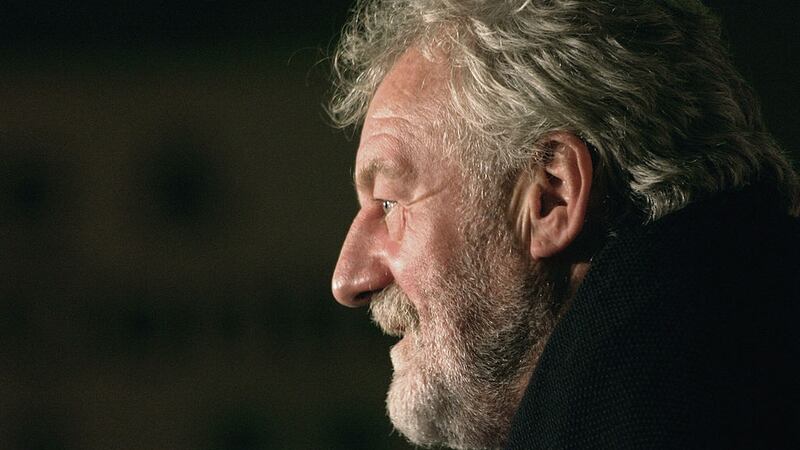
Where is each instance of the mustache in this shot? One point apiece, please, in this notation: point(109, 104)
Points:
point(393, 312)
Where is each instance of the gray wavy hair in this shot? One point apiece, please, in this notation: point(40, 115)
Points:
point(648, 84)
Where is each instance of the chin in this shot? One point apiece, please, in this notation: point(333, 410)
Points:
point(426, 406)
point(412, 401)
point(412, 411)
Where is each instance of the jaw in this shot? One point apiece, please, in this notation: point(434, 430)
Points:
point(413, 401)
point(434, 400)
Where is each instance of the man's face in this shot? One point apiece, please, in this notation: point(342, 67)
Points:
point(439, 270)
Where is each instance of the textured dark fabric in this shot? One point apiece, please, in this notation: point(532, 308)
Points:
point(684, 334)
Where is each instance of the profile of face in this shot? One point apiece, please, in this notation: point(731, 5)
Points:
point(441, 271)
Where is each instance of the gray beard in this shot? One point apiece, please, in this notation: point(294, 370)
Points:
point(464, 370)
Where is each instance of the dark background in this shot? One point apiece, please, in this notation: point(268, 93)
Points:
point(172, 200)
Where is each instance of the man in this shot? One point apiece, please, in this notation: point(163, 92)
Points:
point(575, 221)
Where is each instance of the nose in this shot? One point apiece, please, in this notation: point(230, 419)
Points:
point(361, 269)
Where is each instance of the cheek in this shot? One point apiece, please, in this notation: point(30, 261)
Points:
point(396, 225)
point(425, 251)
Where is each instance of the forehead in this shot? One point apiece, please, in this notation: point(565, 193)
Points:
point(399, 127)
point(414, 78)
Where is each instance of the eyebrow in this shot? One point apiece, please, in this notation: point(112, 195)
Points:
point(365, 177)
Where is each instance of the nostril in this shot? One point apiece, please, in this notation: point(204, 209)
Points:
point(364, 297)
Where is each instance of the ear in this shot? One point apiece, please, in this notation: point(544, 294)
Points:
point(551, 201)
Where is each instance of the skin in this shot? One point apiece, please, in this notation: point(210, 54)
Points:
point(472, 304)
point(402, 244)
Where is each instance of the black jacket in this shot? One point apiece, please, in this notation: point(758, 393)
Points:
point(684, 334)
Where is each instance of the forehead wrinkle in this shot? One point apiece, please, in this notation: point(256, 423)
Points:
point(391, 137)
point(393, 169)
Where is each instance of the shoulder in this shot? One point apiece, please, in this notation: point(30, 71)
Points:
point(682, 329)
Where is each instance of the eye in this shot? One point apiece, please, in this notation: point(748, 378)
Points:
point(387, 205)
point(395, 222)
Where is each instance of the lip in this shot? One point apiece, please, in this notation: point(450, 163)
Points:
point(391, 328)
point(400, 340)
point(398, 353)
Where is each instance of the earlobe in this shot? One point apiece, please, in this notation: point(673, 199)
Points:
point(551, 200)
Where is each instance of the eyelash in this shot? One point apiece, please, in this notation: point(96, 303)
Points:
point(387, 205)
